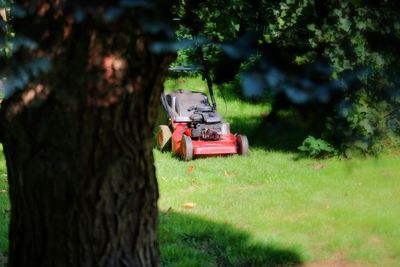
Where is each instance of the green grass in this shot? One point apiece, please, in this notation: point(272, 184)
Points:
point(4, 208)
point(315, 210)
point(288, 210)
point(271, 208)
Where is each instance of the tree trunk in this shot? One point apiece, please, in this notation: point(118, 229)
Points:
point(78, 146)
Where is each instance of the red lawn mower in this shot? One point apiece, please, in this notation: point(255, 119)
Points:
point(195, 128)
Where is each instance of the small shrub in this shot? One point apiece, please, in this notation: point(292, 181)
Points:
point(316, 148)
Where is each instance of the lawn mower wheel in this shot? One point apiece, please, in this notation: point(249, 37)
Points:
point(163, 137)
point(242, 144)
point(186, 148)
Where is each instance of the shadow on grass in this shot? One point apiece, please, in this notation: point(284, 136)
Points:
point(283, 134)
point(234, 91)
point(282, 130)
point(187, 240)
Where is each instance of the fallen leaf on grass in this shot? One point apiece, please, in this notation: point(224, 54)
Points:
point(228, 174)
point(189, 205)
point(3, 191)
point(190, 169)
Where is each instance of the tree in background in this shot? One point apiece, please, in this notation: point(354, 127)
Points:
point(82, 88)
point(343, 53)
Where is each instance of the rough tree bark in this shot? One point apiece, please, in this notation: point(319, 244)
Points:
point(78, 140)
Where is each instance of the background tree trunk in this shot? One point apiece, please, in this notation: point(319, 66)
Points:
point(78, 144)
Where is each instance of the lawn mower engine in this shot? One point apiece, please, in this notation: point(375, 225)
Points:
point(212, 132)
point(197, 129)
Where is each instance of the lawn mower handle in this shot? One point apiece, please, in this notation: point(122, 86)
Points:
point(165, 104)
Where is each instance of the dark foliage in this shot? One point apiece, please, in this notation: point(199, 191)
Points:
point(339, 56)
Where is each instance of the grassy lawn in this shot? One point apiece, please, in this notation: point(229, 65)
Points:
point(4, 207)
point(270, 208)
point(331, 210)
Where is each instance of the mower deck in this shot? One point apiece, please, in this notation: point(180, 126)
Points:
point(222, 147)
